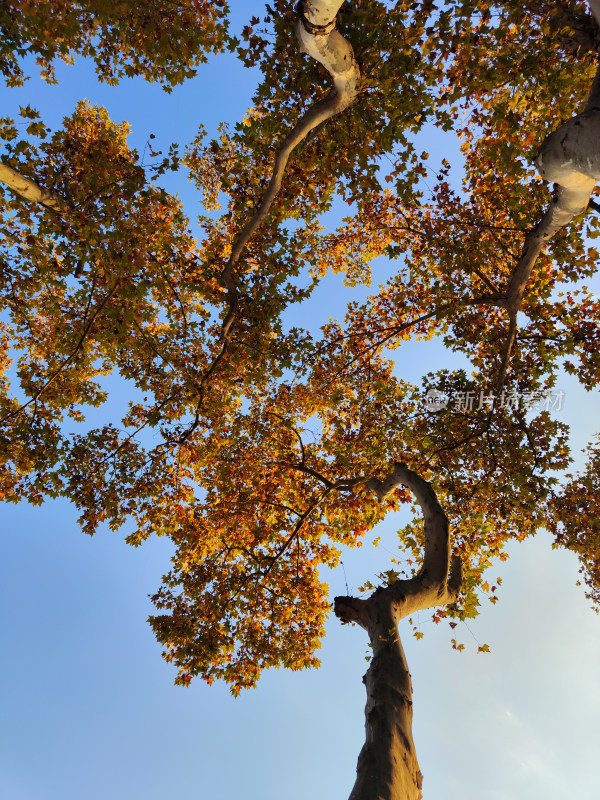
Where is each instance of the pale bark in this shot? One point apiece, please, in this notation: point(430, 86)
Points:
point(387, 766)
point(570, 158)
point(29, 190)
point(318, 37)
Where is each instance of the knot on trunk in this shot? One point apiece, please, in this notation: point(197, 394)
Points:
point(310, 27)
point(570, 155)
point(350, 609)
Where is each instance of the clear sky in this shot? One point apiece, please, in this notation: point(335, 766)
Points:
point(88, 708)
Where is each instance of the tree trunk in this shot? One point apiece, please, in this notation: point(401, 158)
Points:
point(387, 765)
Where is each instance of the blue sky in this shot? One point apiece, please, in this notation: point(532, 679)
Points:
point(88, 706)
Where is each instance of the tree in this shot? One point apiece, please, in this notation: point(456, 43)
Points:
point(98, 254)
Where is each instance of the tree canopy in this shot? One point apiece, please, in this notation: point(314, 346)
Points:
point(258, 447)
point(160, 41)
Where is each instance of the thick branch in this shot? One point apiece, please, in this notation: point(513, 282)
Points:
point(570, 158)
point(437, 537)
point(593, 101)
point(29, 190)
point(431, 586)
point(318, 38)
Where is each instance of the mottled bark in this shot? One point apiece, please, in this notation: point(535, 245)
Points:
point(570, 157)
point(387, 765)
point(388, 768)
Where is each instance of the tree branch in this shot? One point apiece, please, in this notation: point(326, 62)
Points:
point(318, 37)
point(432, 586)
point(66, 361)
point(570, 158)
point(437, 538)
point(29, 190)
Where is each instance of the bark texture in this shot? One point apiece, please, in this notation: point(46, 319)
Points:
point(388, 768)
point(570, 157)
point(387, 765)
point(595, 8)
point(318, 37)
